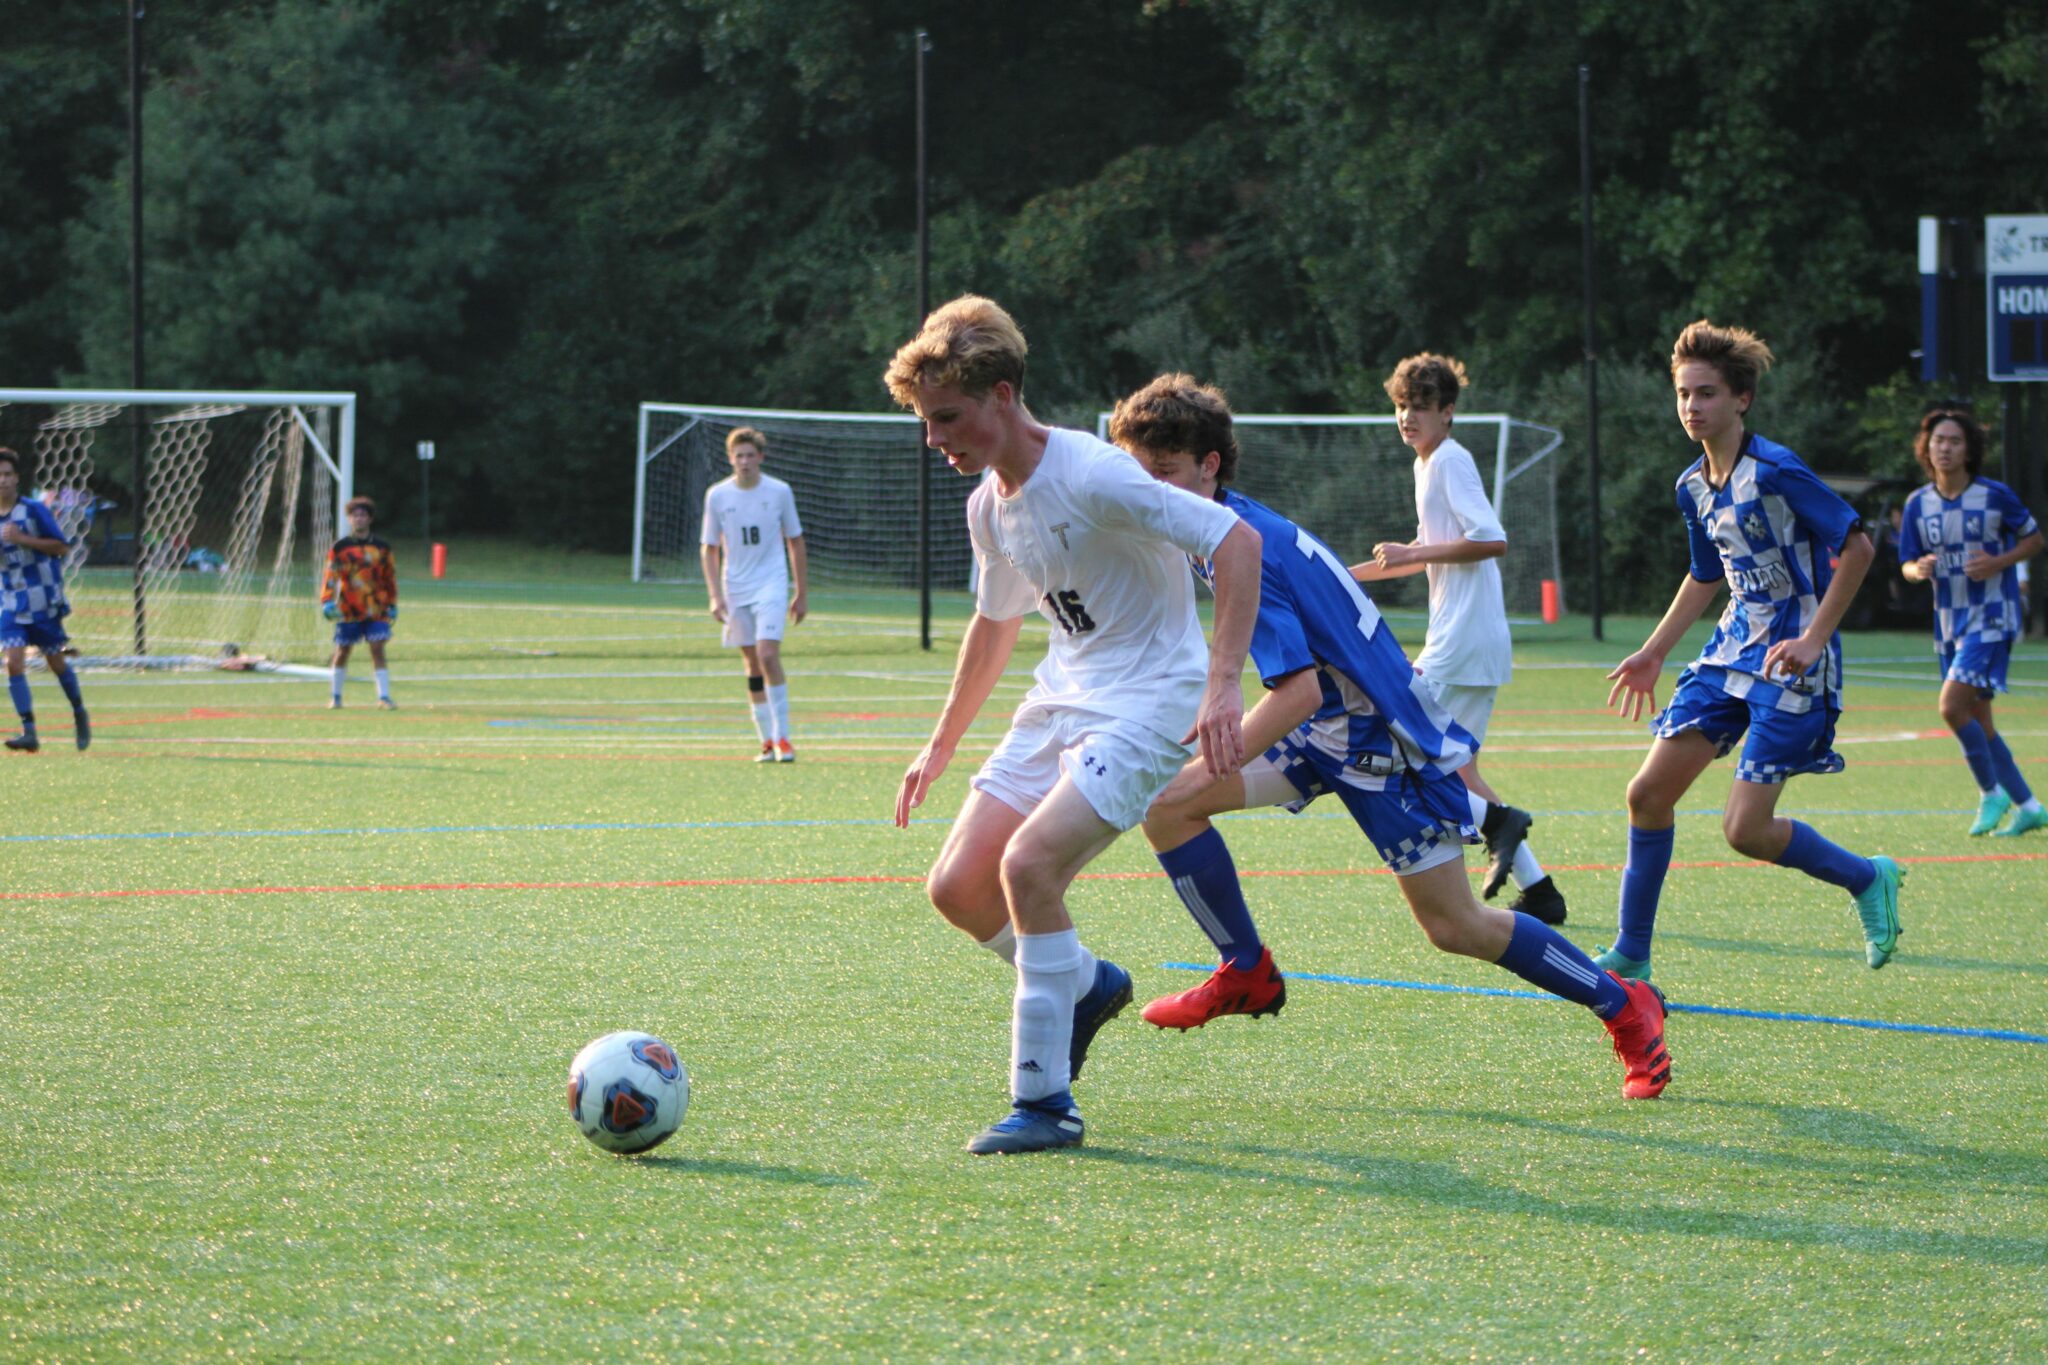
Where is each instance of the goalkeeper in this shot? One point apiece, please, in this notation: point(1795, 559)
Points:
point(359, 593)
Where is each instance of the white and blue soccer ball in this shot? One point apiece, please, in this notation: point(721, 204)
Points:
point(628, 1091)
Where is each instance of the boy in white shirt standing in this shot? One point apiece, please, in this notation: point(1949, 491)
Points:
point(1467, 654)
point(1075, 528)
point(753, 516)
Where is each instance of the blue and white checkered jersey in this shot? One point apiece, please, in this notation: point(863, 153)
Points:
point(1988, 518)
point(1772, 531)
point(1377, 716)
point(32, 583)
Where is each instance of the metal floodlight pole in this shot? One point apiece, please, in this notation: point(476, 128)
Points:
point(924, 303)
point(135, 371)
point(1592, 338)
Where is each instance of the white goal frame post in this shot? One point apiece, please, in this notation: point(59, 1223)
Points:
point(227, 505)
point(1311, 485)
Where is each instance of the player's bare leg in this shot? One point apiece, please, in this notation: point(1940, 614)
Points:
point(965, 883)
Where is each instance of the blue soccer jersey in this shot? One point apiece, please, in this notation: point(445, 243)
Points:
point(1772, 531)
point(31, 583)
point(1377, 717)
point(1987, 518)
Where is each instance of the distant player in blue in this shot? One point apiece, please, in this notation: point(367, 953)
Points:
point(1758, 518)
point(1966, 534)
point(1346, 714)
point(32, 603)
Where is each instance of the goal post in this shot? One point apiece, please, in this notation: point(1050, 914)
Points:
point(1348, 479)
point(854, 476)
point(240, 494)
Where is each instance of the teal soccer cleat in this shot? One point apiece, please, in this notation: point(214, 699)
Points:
point(1990, 810)
point(1878, 908)
point(2025, 821)
point(1623, 966)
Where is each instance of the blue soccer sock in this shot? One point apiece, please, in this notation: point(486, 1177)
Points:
point(1830, 862)
point(1543, 957)
point(2008, 771)
point(68, 680)
point(1977, 753)
point(24, 704)
point(1205, 878)
point(1642, 882)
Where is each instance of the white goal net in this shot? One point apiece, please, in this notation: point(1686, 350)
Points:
point(854, 476)
point(240, 496)
point(1349, 479)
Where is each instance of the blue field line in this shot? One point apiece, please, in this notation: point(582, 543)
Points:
point(1998, 1035)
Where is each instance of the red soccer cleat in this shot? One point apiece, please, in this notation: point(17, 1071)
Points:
point(1229, 990)
point(1639, 1040)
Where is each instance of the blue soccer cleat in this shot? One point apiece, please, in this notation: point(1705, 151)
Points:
point(1103, 1002)
point(1034, 1126)
point(1878, 910)
point(2024, 821)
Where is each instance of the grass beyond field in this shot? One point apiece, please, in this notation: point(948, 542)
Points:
point(287, 998)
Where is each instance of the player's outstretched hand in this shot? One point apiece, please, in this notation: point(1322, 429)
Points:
point(917, 780)
point(1219, 726)
point(1635, 684)
point(799, 608)
point(1789, 659)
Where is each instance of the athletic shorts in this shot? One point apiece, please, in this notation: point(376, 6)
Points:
point(1414, 823)
point(1120, 766)
point(361, 632)
point(749, 623)
point(1976, 663)
point(47, 636)
point(1471, 707)
point(1781, 744)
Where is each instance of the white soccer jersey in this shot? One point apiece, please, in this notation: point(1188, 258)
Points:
point(1100, 547)
point(1468, 643)
point(752, 523)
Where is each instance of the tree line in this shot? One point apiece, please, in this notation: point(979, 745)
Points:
point(504, 223)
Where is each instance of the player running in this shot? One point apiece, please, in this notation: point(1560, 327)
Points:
point(1756, 516)
point(749, 519)
point(33, 605)
point(1966, 534)
point(1075, 528)
point(1345, 714)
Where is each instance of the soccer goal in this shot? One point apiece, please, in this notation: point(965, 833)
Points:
point(855, 476)
point(1349, 479)
point(240, 496)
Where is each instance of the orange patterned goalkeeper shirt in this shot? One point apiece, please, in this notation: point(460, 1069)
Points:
point(361, 578)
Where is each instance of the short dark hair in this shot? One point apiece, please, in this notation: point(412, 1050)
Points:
point(367, 504)
point(1176, 414)
point(1973, 440)
point(7, 453)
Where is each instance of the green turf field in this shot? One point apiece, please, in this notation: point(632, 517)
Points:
point(287, 997)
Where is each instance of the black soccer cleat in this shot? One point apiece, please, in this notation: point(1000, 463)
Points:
point(1506, 827)
point(1541, 900)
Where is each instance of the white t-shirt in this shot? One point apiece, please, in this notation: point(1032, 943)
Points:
point(752, 522)
point(1100, 548)
point(1468, 640)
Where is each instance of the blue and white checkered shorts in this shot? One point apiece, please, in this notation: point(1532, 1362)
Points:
point(1414, 823)
point(47, 636)
point(1976, 663)
point(1781, 744)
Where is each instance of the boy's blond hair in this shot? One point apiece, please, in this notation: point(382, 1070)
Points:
point(1736, 352)
point(1178, 415)
point(740, 436)
point(1427, 380)
point(970, 343)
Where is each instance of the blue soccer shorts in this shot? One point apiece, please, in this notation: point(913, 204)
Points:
point(1780, 744)
point(357, 632)
point(1414, 823)
point(1976, 663)
point(46, 635)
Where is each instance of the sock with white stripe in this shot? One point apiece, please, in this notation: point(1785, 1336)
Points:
point(1977, 753)
point(1205, 878)
point(1053, 970)
point(778, 709)
point(1547, 959)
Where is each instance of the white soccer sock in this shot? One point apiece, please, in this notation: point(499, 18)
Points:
point(383, 684)
point(762, 725)
point(1478, 804)
point(1526, 870)
point(1003, 943)
point(1053, 970)
point(339, 671)
point(778, 704)
point(2031, 804)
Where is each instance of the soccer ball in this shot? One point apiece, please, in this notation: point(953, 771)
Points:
point(628, 1091)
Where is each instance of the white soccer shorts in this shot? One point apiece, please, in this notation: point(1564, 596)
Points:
point(1120, 766)
point(1471, 707)
point(749, 623)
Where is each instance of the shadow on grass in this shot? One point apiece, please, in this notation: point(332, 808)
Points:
point(1851, 952)
point(752, 1170)
point(1363, 1175)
